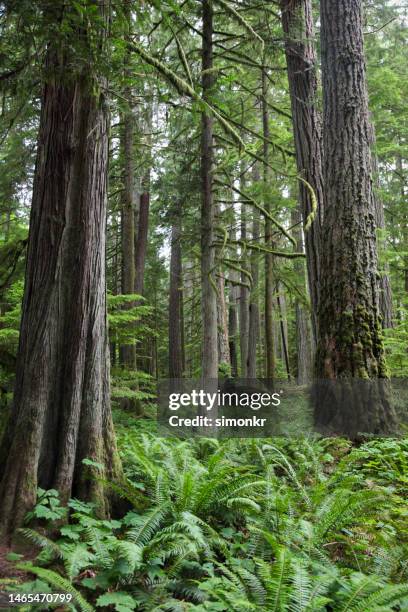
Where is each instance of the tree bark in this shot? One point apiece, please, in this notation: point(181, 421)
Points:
point(283, 324)
point(176, 367)
point(297, 23)
point(141, 242)
point(222, 322)
point(243, 296)
point(61, 413)
point(385, 291)
point(350, 343)
point(233, 301)
point(269, 282)
point(304, 343)
point(128, 352)
point(254, 324)
point(209, 295)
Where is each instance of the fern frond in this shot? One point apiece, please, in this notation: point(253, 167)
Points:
point(57, 581)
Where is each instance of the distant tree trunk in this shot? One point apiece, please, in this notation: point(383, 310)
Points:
point(243, 297)
point(233, 301)
point(191, 282)
point(254, 325)
point(209, 295)
point(283, 323)
point(400, 171)
point(128, 352)
point(297, 22)
point(350, 344)
point(304, 344)
point(385, 291)
point(141, 242)
point(176, 367)
point(269, 281)
point(61, 412)
point(222, 322)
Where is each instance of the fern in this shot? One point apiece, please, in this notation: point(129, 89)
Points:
point(58, 582)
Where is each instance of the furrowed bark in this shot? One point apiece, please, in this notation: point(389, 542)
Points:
point(209, 295)
point(350, 346)
point(61, 413)
point(297, 23)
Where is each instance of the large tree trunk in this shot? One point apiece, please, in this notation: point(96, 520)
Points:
point(209, 295)
point(61, 413)
point(350, 344)
point(297, 22)
point(176, 366)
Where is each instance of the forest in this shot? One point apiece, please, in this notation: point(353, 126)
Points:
point(203, 190)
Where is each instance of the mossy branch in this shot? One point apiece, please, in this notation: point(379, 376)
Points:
point(265, 213)
point(242, 22)
point(186, 90)
point(312, 215)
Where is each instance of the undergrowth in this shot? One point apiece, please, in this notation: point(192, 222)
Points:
point(285, 525)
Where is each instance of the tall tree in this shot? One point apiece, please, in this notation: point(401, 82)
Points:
point(176, 349)
point(350, 343)
point(243, 293)
point(128, 352)
point(269, 280)
point(141, 241)
point(61, 413)
point(254, 323)
point(209, 294)
point(297, 22)
point(304, 344)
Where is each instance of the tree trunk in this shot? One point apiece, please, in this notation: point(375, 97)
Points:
point(61, 412)
point(269, 283)
point(304, 344)
point(175, 304)
point(141, 242)
point(209, 295)
point(350, 344)
point(385, 291)
point(222, 322)
point(297, 22)
point(400, 173)
point(233, 301)
point(243, 296)
point(254, 296)
point(283, 323)
point(128, 352)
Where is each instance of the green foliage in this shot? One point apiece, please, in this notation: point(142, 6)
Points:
point(47, 507)
point(302, 525)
